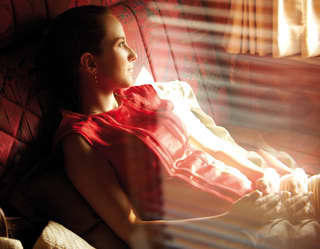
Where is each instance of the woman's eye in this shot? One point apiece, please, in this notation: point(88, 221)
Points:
point(121, 44)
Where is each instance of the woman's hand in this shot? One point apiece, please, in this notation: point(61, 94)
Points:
point(296, 207)
point(255, 209)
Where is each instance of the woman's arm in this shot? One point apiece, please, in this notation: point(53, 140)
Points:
point(97, 183)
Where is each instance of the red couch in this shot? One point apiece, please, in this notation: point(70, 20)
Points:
point(159, 31)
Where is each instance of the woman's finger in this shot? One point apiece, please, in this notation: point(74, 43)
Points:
point(268, 201)
point(253, 196)
point(247, 200)
point(285, 195)
point(298, 202)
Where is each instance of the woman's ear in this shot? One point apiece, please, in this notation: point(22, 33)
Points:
point(88, 63)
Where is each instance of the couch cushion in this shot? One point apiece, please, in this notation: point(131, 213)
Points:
point(20, 110)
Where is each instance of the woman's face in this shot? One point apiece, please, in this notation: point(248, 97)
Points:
point(116, 62)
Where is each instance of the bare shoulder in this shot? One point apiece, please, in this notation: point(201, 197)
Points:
point(78, 152)
point(75, 143)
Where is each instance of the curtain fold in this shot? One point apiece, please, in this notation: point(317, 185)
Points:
point(288, 27)
point(264, 26)
point(234, 28)
point(249, 27)
point(311, 37)
point(278, 27)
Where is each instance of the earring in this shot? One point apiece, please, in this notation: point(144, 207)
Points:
point(95, 76)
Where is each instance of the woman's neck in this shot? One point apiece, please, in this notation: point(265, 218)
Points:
point(98, 103)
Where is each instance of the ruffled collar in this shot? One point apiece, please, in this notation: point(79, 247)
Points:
point(138, 97)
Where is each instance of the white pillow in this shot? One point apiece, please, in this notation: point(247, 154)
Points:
point(56, 236)
point(6, 243)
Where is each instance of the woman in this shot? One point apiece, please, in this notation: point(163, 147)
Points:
point(87, 59)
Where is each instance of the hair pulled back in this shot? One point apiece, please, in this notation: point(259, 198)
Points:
point(69, 35)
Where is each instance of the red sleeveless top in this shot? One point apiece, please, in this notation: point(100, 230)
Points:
point(143, 137)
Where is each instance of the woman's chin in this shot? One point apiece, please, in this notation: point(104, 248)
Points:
point(125, 84)
point(129, 83)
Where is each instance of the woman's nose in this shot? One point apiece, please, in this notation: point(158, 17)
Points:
point(132, 55)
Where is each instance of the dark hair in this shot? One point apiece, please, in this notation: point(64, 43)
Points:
point(69, 35)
